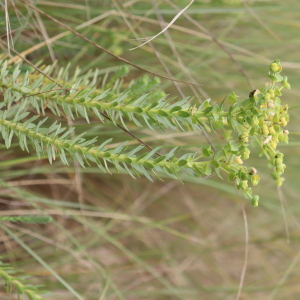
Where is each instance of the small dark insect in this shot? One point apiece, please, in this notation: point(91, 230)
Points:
point(251, 94)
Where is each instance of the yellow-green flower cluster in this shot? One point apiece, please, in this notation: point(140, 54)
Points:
point(261, 117)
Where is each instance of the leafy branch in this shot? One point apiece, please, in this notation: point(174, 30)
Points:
point(258, 120)
point(56, 139)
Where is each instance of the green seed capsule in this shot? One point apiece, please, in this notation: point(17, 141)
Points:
point(283, 121)
point(265, 130)
point(274, 67)
point(255, 179)
point(272, 93)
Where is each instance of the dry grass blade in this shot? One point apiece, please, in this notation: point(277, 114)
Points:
point(242, 278)
point(102, 48)
point(149, 39)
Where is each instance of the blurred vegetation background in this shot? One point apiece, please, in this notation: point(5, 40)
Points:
point(118, 238)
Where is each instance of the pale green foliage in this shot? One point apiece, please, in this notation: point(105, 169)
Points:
point(258, 119)
point(18, 284)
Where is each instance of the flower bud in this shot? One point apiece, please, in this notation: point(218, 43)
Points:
point(267, 140)
point(238, 160)
point(285, 132)
point(255, 200)
point(271, 104)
